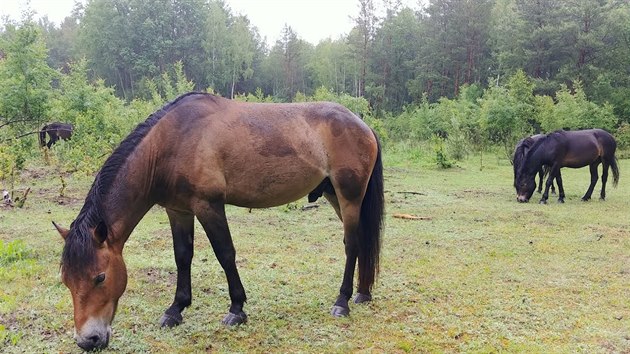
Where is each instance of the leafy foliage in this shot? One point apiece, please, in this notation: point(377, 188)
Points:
point(425, 74)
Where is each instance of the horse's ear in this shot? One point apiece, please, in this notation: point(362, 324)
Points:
point(62, 231)
point(100, 232)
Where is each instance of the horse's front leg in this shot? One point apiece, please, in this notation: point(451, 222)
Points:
point(214, 222)
point(553, 172)
point(182, 228)
point(594, 178)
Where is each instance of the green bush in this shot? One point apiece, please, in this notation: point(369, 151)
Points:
point(441, 158)
point(623, 136)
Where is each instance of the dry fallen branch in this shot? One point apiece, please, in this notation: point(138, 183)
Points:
point(411, 217)
point(415, 193)
point(309, 206)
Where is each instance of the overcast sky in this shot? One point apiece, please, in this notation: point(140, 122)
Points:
point(312, 20)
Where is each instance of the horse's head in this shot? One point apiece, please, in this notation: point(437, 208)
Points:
point(523, 182)
point(525, 185)
point(96, 276)
point(526, 166)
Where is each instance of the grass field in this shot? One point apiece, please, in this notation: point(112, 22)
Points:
point(480, 274)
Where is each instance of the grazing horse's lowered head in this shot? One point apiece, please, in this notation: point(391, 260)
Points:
point(98, 278)
point(524, 189)
point(520, 152)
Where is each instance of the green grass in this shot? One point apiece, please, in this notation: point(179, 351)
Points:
point(483, 274)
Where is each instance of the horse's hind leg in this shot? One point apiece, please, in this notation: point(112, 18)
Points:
point(350, 215)
point(605, 166)
point(334, 202)
point(560, 187)
point(214, 222)
point(182, 228)
point(594, 177)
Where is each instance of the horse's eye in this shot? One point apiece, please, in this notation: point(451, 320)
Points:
point(99, 278)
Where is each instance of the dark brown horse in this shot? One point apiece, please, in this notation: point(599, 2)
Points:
point(572, 149)
point(522, 147)
point(55, 131)
point(201, 152)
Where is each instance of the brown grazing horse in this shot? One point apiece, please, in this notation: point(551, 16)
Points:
point(56, 131)
point(572, 149)
point(199, 153)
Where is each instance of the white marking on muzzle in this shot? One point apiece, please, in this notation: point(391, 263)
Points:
point(94, 327)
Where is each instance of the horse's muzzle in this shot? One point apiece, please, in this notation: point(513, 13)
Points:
point(522, 199)
point(94, 341)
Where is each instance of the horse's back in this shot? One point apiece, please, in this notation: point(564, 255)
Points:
point(259, 155)
point(586, 146)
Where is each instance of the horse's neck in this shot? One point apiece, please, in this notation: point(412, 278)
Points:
point(536, 159)
point(127, 201)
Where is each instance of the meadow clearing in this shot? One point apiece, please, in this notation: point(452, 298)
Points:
point(478, 273)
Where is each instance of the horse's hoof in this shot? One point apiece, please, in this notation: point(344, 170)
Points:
point(543, 201)
point(361, 298)
point(561, 201)
point(234, 319)
point(338, 311)
point(171, 320)
point(586, 199)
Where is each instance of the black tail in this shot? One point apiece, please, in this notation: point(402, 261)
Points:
point(609, 154)
point(371, 224)
point(42, 136)
point(615, 171)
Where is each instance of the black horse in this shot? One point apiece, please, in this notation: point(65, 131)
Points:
point(56, 131)
point(522, 147)
point(572, 149)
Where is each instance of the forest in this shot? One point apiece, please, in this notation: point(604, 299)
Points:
point(463, 76)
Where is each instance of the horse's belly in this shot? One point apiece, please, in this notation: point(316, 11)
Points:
point(272, 188)
point(579, 161)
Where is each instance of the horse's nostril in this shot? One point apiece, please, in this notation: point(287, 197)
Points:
point(94, 339)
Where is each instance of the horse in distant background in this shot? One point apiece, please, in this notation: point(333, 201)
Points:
point(572, 149)
point(522, 147)
point(56, 131)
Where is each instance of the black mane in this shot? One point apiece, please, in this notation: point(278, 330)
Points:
point(79, 248)
point(519, 152)
point(538, 144)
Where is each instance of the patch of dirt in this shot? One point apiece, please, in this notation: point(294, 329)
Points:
point(53, 196)
point(34, 173)
point(467, 193)
point(155, 275)
point(67, 201)
point(9, 321)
